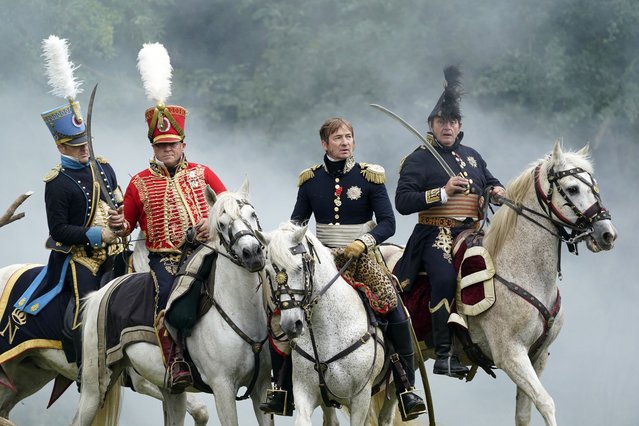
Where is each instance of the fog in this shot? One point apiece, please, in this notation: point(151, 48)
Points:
point(590, 374)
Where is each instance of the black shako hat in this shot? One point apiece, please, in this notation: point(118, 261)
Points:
point(447, 106)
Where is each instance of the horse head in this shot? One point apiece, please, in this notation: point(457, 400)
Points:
point(293, 256)
point(573, 198)
point(233, 223)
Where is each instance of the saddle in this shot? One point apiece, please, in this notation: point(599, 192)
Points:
point(475, 287)
point(20, 331)
point(475, 294)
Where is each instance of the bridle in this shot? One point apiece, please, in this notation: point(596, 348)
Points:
point(281, 287)
point(306, 303)
point(585, 219)
point(234, 237)
point(582, 227)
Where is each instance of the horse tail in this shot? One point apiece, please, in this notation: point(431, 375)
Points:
point(109, 412)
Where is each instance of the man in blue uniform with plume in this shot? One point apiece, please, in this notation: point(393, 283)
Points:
point(446, 205)
point(82, 246)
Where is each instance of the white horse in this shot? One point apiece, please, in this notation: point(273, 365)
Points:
point(555, 193)
point(224, 358)
point(32, 369)
point(327, 324)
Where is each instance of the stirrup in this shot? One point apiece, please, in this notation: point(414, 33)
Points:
point(177, 383)
point(269, 407)
point(402, 409)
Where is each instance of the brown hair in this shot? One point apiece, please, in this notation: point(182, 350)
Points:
point(331, 125)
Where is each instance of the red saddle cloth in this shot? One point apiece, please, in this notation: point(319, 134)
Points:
point(418, 298)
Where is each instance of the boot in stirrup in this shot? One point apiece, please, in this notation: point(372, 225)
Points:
point(446, 361)
point(279, 400)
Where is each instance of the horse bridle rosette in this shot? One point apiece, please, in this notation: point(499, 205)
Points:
point(585, 219)
point(281, 287)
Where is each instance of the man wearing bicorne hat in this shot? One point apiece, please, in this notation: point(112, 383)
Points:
point(167, 199)
point(344, 196)
point(446, 206)
point(83, 248)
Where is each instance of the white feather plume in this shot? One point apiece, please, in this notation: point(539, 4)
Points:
point(59, 69)
point(155, 68)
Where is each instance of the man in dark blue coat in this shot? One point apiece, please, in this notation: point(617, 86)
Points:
point(446, 206)
point(82, 246)
point(344, 195)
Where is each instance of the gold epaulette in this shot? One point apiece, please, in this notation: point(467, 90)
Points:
point(101, 160)
point(373, 173)
point(431, 140)
point(401, 163)
point(53, 173)
point(307, 174)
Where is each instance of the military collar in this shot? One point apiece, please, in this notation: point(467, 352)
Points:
point(69, 162)
point(158, 167)
point(430, 137)
point(338, 167)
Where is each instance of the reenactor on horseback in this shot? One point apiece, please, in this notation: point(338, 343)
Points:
point(344, 195)
point(167, 200)
point(447, 203)
point(78, 192)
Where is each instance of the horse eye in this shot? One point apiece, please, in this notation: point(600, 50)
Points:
point(573, 190)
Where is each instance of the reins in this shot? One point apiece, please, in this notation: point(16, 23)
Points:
point(256, 346)
point(307, 307)
point(580, 229)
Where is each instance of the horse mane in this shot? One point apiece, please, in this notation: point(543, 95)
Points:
point(505, 219)
point(226, 202)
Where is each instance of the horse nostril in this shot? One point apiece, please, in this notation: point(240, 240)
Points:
point(246, 252)
point(609, 237)
point(298, 327)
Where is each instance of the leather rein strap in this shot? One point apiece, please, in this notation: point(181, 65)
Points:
point(548, 316)
point(209, 301)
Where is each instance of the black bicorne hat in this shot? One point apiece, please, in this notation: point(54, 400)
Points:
point(447, 106)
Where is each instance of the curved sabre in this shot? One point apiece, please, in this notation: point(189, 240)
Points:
point(430, 148)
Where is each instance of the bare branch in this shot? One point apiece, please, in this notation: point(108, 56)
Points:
point(10, 215)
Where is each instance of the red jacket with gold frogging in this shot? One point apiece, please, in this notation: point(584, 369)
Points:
point(166, 207)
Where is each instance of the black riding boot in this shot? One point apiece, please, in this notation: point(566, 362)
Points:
point(72, 340)
point(446, 363)
point(279, 400)
point(411, 405)
point(76, 335)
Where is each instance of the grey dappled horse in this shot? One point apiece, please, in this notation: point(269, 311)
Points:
point(327, 324)
point(225, 360)
point(556, 193)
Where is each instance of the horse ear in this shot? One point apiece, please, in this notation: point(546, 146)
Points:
point(585, 151)
point(244, 189)
point(299, 234)
point(263, 237)
point(210, 196)
point(558, 155)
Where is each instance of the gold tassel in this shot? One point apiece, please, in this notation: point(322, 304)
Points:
point(53, 173)
point(307, 174)
point(373, 173)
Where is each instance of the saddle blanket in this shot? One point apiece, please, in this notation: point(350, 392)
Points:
point(127, 314)
point(19, 331)
point(475, 288)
